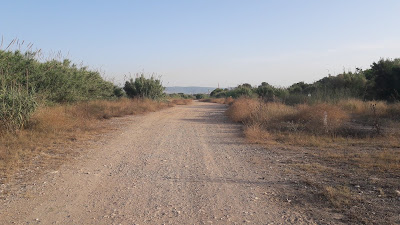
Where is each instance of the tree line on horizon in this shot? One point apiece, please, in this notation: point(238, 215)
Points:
point(379, 82)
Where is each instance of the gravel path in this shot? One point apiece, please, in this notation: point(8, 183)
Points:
point(183, 165)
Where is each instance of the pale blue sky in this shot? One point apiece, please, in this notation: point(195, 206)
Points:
point(203, 43)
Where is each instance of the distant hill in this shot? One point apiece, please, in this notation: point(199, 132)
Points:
point(189, 90)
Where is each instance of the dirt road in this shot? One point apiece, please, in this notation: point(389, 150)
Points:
point(183, 165)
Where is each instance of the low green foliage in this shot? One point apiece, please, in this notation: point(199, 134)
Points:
point(201, 96)
point(181, 95)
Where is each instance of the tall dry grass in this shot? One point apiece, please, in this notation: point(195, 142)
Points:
point(241, 109)
point(321, 117)
point(275, 116)
point(317, 137)
point(358, 107)
point(340, 121)
point(364, 108)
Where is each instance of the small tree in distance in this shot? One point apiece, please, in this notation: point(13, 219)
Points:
point(143, 87)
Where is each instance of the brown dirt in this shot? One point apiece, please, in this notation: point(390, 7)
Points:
point(183, 165)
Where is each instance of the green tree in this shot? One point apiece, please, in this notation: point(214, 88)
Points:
point(265, 90)
point(218, 93)
point(384, 83)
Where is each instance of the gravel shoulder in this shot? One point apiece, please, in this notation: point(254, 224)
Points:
point(183, 165)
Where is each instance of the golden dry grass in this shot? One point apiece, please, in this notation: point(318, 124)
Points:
point(181, 101)
point(268, 114)
point(214, 100)
point(353, 174)
point(241, 109)
point(322, 117)
point(363, 108)
point(52, 126)
point(351, 118)
point(258, 135)
point(303, 125)
point(340, 196)
point(227, 101)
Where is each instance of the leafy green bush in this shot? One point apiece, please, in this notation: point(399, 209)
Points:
point(201, 96)
point(181, 95)
point(219, 93)
point(54, 81)
point(119, 92)
point(144, 88)
point(384, 80)
point(25, 80)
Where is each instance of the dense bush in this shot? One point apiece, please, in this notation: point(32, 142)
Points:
point(25, 80)
point(201, 96)
point(384, 80)
point(218, 93)
point(53, 80)
point(144, 88)
point(16, 107)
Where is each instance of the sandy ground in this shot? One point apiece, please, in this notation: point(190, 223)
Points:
point(183, 165)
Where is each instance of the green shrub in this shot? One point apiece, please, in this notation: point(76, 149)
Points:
point(144, 88)
point(54, 81)
point(201, 96)
point(16, 106)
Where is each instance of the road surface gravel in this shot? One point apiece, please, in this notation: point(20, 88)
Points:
point(183, 165)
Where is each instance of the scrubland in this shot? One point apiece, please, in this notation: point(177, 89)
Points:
point(47, 105)
point(344, 155)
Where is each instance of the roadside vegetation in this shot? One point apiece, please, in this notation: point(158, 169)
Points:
point(46, 105)
point(180, 99)
point(340, 135)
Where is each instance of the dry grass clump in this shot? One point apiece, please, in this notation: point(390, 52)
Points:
point(354, 106)
point(365, 108)
point(257, 134)
point(214, 100)
point(229, 101)
point(340, 196)
point(321, 124)
point(322, 117)
point(182, 101)
point(271, 114)
point(242, 109)
point(393, 111)
point(56, 125)
point(384, 160)
point(79, 115)
point(53, 119)
point(218, 100)
point(226, 101)
point(103, 109)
